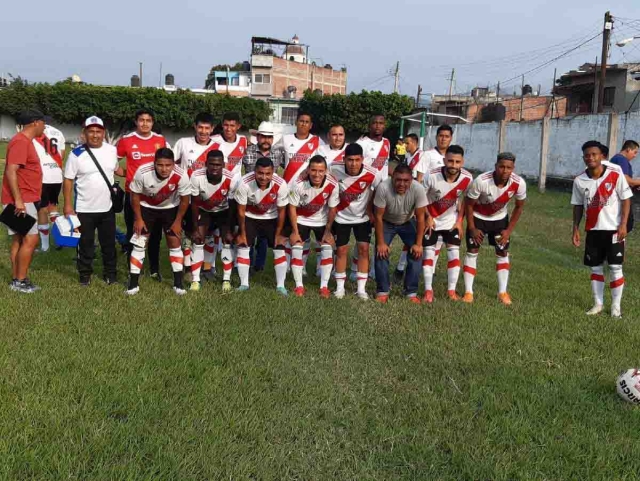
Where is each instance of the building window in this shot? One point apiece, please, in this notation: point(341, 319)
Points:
point(262, 78)
point(235, 81)
point(289, 115)
point(609, 96)
point(221, 80)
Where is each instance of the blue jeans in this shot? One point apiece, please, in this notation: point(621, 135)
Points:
point(258, 253)
point(407, 233)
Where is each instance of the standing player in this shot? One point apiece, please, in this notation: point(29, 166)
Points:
point(604, 193)
point(191, 155)
point(160, 195)
point(261, 199)
point(434, 158)
point(312, 208)
point(50, 147)
point(212, 208)
point(356, 182)
point(334, 150)
point(445, 187)
point(486, 212)
point(139, 148)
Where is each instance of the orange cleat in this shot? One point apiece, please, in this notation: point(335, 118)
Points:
point(505, 298)
point(428, 297)
point(299, 291)
point(382, 299)
point(325, 293)
point(468, 297)
point(453, 296)
point(414, 300)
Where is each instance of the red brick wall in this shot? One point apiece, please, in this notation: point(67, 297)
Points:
point(303, 76)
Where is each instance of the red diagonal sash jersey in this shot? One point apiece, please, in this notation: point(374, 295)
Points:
point(156, 193)
point(262, 204)
point(298, 152)
point(313, 203)
point(213, 197)
point(376, 154)
point(355, 192)
point(332, 155)
point(492, 200)
point(138, 151)
point(444, 198)
point(190, 155)
point(602, 198)
point(233, 152)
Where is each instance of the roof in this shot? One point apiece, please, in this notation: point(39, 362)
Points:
point(271, 41)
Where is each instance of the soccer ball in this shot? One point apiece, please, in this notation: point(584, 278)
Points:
point(628, 386)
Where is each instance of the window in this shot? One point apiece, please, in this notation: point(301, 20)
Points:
point(235, 81)
point(289, 115)
point(262, 78)
point(221, 80)
point(609, 96)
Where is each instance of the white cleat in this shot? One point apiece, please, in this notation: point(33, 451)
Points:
point(339, 294)
point(179, 291)
point(616, 312)
point(363, 296)
point(132, 292)
point(597, 309)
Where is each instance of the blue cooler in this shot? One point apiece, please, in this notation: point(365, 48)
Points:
point(70, 240)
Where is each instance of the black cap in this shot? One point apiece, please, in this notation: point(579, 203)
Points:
point(29, 116)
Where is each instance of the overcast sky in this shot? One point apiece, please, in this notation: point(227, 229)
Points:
point(104, 41)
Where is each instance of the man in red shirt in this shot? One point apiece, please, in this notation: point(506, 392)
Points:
point(21, 187)
point(139, 148)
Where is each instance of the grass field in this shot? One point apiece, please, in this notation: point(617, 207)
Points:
point(253, 386)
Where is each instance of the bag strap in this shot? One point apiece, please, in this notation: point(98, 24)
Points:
point(97, 164)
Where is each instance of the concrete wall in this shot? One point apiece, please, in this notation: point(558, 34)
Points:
point(480, 142)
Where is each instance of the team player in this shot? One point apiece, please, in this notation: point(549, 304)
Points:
point(262, 198)
point(160, 194)
point(445, 187)
point(334, 150)
point(313, 205)
point(415, 157)
point(212, 208)
point(357, 182)
point(191, 155)
point(603, 192)
point(486, 212)
point(50, 147)
point(434, 158)
point(139, 148)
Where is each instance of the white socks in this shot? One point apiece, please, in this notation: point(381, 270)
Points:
point(326, 265)
point(43, 229)
point(197, 259)
point(297, 264)
point(453, 267)
point(470, 269)
point(244, 263)
point(280, 266)
point(428, 257)
point(616, 285)
point(502, 269)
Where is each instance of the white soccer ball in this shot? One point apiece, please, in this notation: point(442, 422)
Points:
point(628, 386)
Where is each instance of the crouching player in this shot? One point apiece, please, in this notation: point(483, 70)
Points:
point(603, 191)
point(261, 199)
point(486, 211)
point(213, 207)
point(312, 208)
point(446, 187)
point(160, 194)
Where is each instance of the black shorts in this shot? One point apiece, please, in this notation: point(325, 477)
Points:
point(450, 237)
point(49, 195)
point(304, 231)
point(159, 217)
point(490, 228)
point(215, 220)
point(261, 228)
point(599, 247)
point(342, 233)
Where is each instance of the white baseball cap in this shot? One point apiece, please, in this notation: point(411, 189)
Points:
point(93, 121)
point(265, 128)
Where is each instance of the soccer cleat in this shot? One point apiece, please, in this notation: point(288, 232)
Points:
point(597, 309)
point(13, 285)
point(468, 297)
point(398, 275)
point(132, 292)
point(428, 297)
point(299, 291)
point(156, 276)
point(209, 274)
point(363, 296)
point(25, 287)
point(616, 312)
point(85, 281)
point(382, 299)
point(282, 291)
point(414, 300)
point(179, 291)
point(195, 286)
point(31, 285)
point(339, 294)
point(242, 288)
point(110, 281)
point(505, 298)
point(325, 293)
point(453, 295)
point(226, 287)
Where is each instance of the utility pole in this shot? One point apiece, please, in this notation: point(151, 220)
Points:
point(451, 81)
point(140, 73)
point(594, 97)
point(227, 80)
point(553, 91)
point(606, 36)
point(396, 83)
point(418, 95)
point(498, 93)
point(521, 98)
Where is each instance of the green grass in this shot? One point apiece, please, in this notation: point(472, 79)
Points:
point(95, 385)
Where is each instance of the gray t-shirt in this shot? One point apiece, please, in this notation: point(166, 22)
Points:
point(399, 208)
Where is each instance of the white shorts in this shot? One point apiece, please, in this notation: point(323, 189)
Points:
point(33, 212)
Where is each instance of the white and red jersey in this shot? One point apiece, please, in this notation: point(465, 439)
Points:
point(332, 155)
point(313, 203)
point(139, 151)
point(297, 155)
point(376, 154)
point(433, 159)
point(190, 155)
point(262, 204)
point(50, 148)
point(417, 162)
point(355, 192)
point(157, 193)
point(492, 200)
point(602, 197)
point(233, 152)
point(213, 197)
point(444, 197)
